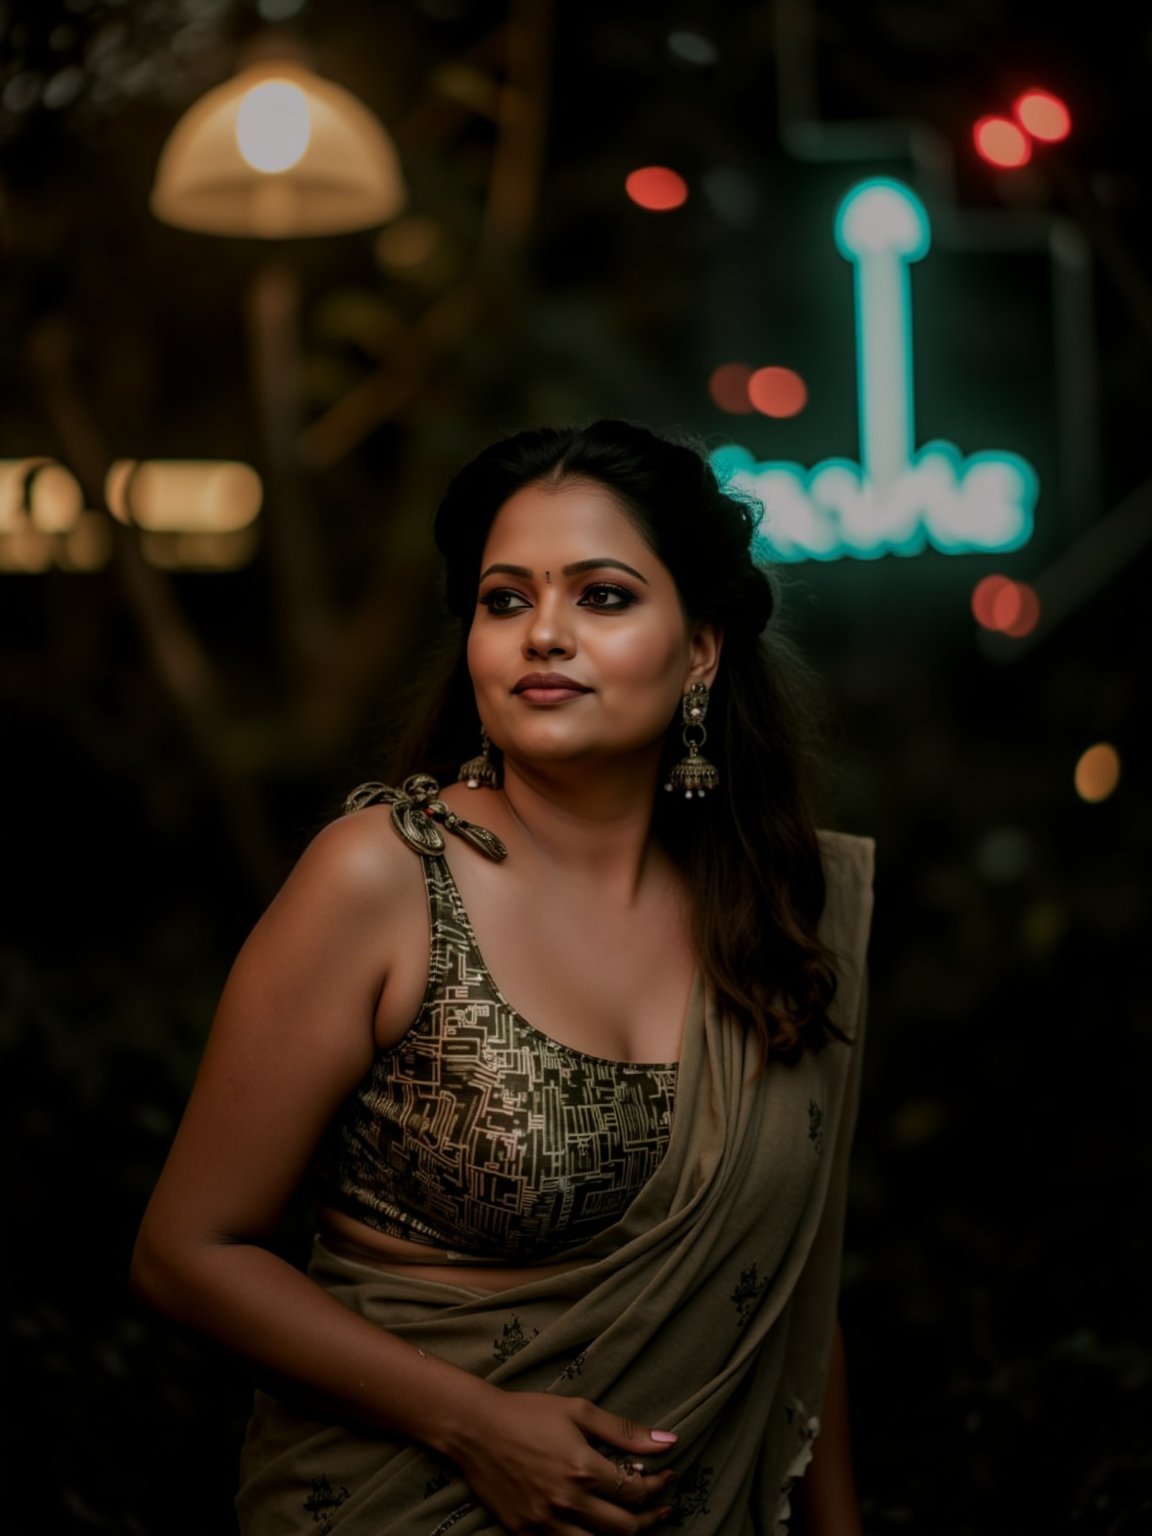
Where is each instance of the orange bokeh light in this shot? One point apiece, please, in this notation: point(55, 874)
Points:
point(1043, 115)
point(657, 188)
point(1097, 772)
point(777, 392)
point(728, 386)
point(1001, 143)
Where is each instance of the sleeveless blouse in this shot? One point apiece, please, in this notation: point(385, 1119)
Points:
point(479, 1134)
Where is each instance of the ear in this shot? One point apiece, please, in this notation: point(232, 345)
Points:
point(704, 654)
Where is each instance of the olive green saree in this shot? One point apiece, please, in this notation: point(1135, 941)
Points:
point(708, 1309)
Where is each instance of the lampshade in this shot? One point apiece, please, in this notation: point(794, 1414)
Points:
point(277, 152)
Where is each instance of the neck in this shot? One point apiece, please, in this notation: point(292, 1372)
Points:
point(594, 822)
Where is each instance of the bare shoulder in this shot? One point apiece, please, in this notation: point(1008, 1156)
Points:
point(352, 902)
point(339, 948)
point(359, 858)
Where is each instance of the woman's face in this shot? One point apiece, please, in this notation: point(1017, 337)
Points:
point(580, 648)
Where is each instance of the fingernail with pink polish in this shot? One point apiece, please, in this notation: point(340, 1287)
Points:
point(664, 1436)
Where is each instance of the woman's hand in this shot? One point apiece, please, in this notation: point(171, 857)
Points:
point(531, 1464)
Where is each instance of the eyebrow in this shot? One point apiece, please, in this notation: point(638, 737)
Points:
point(575, 569)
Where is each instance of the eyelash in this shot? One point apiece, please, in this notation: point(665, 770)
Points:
point(489, 599)
point(627, 598)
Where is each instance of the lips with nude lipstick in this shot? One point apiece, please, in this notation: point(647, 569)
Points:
point(548, 688)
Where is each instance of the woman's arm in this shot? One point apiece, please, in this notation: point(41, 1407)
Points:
point(292, 1035)
point(831, 1507)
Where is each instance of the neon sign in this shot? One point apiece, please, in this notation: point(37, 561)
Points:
point(899, 499)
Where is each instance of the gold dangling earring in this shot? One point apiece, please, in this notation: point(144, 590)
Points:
point(693, 774)
point(478, 771)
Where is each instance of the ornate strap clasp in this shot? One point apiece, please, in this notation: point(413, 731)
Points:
point(416, 808)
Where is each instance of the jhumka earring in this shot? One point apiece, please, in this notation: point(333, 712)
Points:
point(693, 774)
point(479, 771)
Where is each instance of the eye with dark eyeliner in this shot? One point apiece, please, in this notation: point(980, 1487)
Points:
point(621, 596)
point(496, 600)
point(599, 596)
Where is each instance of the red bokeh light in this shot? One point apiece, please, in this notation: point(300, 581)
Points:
point(657, 188)
point(1001, 143)
point(1043, 115)
point(777, 392)
point(1006, 606)
point(1017, 610)
point(728, 386)
point(984, 596)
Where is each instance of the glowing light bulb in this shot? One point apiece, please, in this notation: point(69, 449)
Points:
point(273, 127)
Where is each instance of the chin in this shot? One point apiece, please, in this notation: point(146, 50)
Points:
point(586, 756)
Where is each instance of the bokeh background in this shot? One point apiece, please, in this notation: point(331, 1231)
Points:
point(179, 719)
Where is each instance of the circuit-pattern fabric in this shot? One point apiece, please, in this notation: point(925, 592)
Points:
point(480, 1134)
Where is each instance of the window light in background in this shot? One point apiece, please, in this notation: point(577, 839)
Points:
point(43, 520)
point(191, 514)
point(183, 495)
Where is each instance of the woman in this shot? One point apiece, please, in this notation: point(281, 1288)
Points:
point(576, 1274)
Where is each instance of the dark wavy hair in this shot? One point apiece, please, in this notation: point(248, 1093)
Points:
point(748, 851)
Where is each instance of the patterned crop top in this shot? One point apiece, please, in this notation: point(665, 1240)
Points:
point(482, 1136)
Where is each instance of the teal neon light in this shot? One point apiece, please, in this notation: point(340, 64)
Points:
point(899, 499)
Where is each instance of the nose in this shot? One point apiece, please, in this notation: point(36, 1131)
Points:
point(549, 633)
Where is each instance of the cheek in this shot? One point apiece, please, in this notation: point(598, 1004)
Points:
point(479, 654)
point(489, 666)
point(478, 666)
point(649, 654)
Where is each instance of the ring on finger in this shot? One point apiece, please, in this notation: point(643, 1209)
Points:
point(625, 1471)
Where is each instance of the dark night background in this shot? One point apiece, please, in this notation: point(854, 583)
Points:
point(172, 738)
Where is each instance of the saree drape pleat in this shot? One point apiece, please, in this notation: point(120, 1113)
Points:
point(708, 1309)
